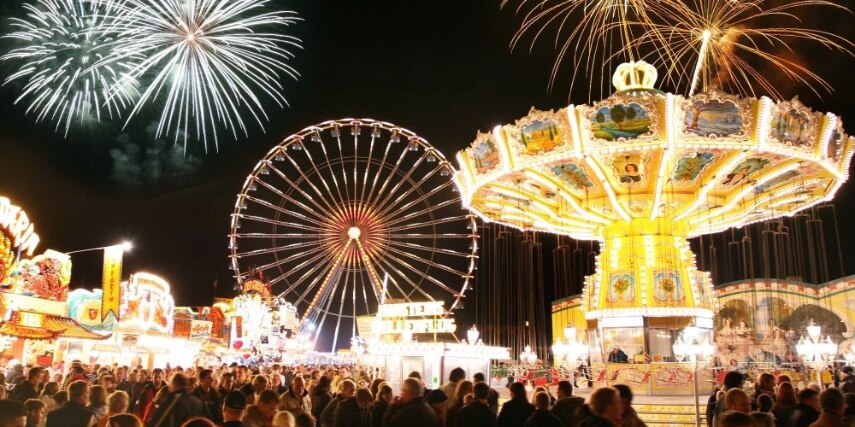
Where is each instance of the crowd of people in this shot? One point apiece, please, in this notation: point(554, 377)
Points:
point(282, 396)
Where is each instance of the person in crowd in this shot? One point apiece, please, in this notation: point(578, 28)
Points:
point(147, 392)
point(227, 383)
point(515, 411)
point(208, 395)
point(353, 411)
point(346, 390)
point(48, 396)
point(765, 385)
point(411, 410)
point(806, 411)
point(732, 380)
point(108, 382)
point(629, 418)
point(762, 419)
point(478, 412)
point(117, 403)
point(736, 419)
point(73, 413)
point(785, 403)
point(29, 388)
point(276, 383)
point(455, 376)
point(283, 419)
point(849, 412)
point(605, 407)
point(567, 405)
point(178, 405)
point(261, 413)
point(542, 417)
point(304, 419)
point(436, 400)
point(833, 405)
point(123, 381)
point(198, 422)
point(463, 388)
point(493, 399)
point(125, 420)
point(765, 403)
point(35, 412)
point(296, 400)
point(98, 401)
point(234, 403)
point(382, 399)
point(737, 399)
point(618, 356)
point(12, 413)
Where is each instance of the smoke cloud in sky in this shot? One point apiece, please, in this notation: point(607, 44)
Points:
point(149, 161)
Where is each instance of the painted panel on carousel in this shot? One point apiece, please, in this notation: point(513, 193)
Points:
point(485, 154)
point(629, 168)
point(620, 121)
point(667, 287)
point(573, 176)
point(794, 124)
point(739, 175)
point(690, 166)
point(540, 131)
point(621, 290)
point(43, 276)
point(147, 303)
point(716, 115)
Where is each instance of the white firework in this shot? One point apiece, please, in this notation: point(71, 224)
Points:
point(211, 61)
point(59, 46)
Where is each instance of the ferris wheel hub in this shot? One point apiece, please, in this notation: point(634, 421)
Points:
point(354, 233)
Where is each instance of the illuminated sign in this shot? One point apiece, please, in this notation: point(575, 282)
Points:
point(15, 222)
point(112, 281)
point(147, 303)
point(200, 329)
point(409, 318)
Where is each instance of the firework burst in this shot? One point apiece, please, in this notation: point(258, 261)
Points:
point(732, 44)
point(60, 42)
point(589, 33)
point(211, 61)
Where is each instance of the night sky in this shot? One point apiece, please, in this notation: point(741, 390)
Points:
point(442, 69)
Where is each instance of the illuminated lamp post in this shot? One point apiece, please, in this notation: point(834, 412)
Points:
point(571, 350)
point(472, 335)
point(815, 351)
point(688, 346)
point(528, 357)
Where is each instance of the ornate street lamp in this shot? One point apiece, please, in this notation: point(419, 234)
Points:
point(472, 335)
point(815, 351)
point(688, 346)
point(528, 357)
point(570, 351)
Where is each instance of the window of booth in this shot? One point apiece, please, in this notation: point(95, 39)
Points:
point(630, 340)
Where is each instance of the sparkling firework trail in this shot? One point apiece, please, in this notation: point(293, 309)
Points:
point(209, 59)
point(589, 33)
point(60, 41)
point(734, 44)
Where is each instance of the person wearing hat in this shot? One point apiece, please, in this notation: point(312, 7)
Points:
point(233, 406)
point(436, 400)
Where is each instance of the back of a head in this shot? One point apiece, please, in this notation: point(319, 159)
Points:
point(602, 398)
point(125, 420)
point(268, 396)
point(198, 422)
point(383, 390)
point(346, 386)
point(34, 373)
point(10, 411)
point(831, 400)
point(179, 380)
point(765, 403)
point(463, 388)
point(363, 396)
point(482, 391)
point(415, 385)
point(205, 374)
point(624, 391)
point(415, 374)
point(478, 377)
point(786, 395)
point(517, 391)
point(283, 419)
point(565, 387)
point(762, 419)
point(76, 389)
point(736, 419)
point(734, 397)
point(850, 400)
point(33, 405)
point(304, 420)
point(733, 379)
point(541, 400)
point(807, 394)
point(456, 374)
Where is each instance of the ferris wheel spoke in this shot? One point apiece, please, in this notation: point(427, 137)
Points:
point(335, 269)
point(406, 178)
point(279, 222)
point(320, 175)
point(313, 261)
point(368, 163)
point(392, 173)
point(330, 208)
point(430, 223)
point(430, 236)
point(420, 199)
point(379, 171)
point(428, 249)
point(265, 251)
point(406, 277)
point(280, 235)
point(423, 274)
point(332, 172)
point(373, 277)
point(293, 185)
point(416, 213)
point(415, 187)
point(428, 263)
point(287, 211)
point(341, 155)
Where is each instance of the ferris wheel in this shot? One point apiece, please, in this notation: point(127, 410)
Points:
point(349, 213)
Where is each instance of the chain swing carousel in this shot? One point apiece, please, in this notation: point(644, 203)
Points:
point(641, 172)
